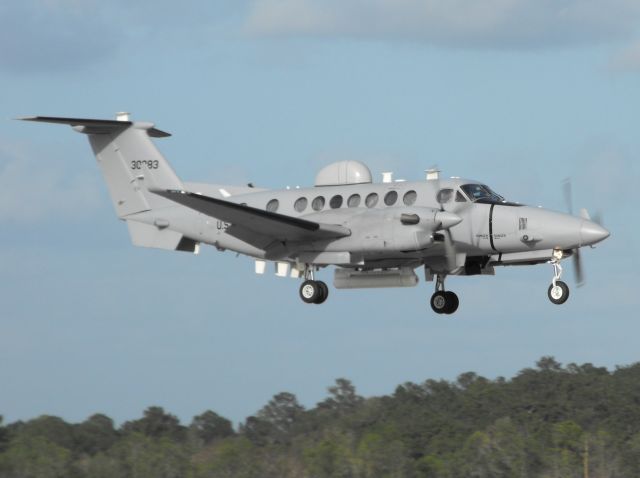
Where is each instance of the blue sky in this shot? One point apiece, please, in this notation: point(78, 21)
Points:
point(518, 93)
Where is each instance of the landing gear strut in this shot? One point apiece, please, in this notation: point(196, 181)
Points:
point(313, 291)
point(443, 302)
point(558, 291)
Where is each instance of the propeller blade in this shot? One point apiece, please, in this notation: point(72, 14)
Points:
point(577, 268)
point(568, 196)
point(449, 250)
point(584, 214)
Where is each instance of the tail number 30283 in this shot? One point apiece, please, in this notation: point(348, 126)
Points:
point(141, 164)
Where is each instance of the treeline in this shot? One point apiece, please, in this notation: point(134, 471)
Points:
point(547, 421)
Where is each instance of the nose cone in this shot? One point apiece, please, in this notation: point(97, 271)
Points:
point(447, 219)
point(591, 233)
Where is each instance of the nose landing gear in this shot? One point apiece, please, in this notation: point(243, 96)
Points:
point(558, 291)
point(443, 302)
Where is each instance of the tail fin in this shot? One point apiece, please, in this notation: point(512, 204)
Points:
point(127, 158)
point(131, 165)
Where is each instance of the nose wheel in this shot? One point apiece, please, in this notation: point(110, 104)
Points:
point(443, 302)
point(558, 291)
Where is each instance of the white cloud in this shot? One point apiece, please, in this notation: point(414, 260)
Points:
point(34, 190)
point(451, 23)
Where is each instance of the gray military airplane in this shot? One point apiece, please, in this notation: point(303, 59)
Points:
point(376, 234)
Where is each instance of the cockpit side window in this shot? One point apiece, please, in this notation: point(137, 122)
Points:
point(460, 197)
point(478, 192)
point(444, 196)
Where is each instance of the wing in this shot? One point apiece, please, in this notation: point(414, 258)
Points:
point(256, 226)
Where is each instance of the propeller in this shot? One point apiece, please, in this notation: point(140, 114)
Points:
point(584, 214)
point(446, 220)
point(577, 260)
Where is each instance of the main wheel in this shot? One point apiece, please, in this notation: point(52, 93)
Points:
point(452, 302)
point(310, 290)
point(439, 302)
point(324, 292)
point(558, 294)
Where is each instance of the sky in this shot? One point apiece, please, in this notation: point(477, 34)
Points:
point(520, 94)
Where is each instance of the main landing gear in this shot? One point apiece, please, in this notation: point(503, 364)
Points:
point(443, 302)
point(313, 291)
point(558, 291)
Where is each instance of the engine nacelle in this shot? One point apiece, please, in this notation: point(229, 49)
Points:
point(393, 229)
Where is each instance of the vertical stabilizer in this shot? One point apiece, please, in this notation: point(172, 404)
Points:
point(128, 159)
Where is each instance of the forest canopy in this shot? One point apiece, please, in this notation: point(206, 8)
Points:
point(547, 421)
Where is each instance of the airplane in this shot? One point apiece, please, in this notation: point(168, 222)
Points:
point(375, 234)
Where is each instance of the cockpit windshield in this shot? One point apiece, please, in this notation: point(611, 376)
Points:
point(481, 192)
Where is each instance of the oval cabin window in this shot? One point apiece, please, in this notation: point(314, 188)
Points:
point(272, 206)
point(409, 197)
point(336, 201)
point(390, 198)
point(300, 204)
point(318, 203)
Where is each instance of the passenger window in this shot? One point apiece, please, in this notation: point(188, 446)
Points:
point(272, 206)
point(444, 196)
point(335, 202)
point(372, 200)
point(354, 200)
point(318, 203)
point(460, 197)
point(410, 197)
point(300, 204)
point(390, 198)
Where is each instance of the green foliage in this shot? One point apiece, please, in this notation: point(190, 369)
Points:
point(95, 434)
point(343, 398)
point(231, 458)
point(331, 457)
point(53, 429)
point(140, 455)
point(549, 421)
point(209, 426)
point(156, 423)
point(31, 456)
point(4, 436)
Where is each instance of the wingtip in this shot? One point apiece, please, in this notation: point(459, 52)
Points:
point(24, 118)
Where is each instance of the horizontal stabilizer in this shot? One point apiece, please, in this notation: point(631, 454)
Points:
point(248, 222)
point(94, 126)
point(147, 235)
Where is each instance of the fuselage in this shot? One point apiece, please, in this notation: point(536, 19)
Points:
point(373, 212)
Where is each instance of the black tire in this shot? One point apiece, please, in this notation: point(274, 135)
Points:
point(439, 302)
point(559, 294)
point(452, 302)
point(310, 291)
point(324, 292)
